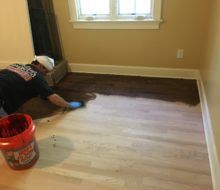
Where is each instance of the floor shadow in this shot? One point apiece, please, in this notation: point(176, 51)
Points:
point(53, 150)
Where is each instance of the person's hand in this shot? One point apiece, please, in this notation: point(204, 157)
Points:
point(76, 104)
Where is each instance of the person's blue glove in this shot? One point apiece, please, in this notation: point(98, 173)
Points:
point(76, 104)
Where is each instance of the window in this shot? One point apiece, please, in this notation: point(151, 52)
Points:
point(115, 14)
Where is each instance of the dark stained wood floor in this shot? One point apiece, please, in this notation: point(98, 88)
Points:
point(132, 86)
point(81, 86)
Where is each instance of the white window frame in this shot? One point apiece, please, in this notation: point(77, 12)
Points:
point(138, 23)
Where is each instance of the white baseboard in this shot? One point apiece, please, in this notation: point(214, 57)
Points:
point(212, 151)
point(135, 71)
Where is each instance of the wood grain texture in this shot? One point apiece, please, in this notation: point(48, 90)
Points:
point(118, 143)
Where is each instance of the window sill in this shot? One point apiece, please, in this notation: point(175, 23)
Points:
point(103, 24)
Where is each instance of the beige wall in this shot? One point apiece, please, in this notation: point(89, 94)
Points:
point(211, 72)
point(15, 37)
point(185, 25)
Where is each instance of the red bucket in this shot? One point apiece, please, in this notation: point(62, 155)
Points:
point(17, 141)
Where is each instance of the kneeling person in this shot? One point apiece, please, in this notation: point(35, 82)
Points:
point(19, 83)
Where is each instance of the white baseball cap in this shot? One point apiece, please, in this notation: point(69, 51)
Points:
point(45, 61)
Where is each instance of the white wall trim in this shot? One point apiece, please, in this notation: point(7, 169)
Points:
point(135, 71)
point(89, 22)
point(209, 135)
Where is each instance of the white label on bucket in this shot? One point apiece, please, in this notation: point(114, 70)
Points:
point(25, 155)
point(22, 156)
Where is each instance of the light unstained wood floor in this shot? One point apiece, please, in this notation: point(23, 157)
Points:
point(118, 143)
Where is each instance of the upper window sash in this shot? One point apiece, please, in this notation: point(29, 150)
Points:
point(111, 18)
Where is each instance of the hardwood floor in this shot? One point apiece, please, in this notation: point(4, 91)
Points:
point(118, 143)
point(84, 86)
